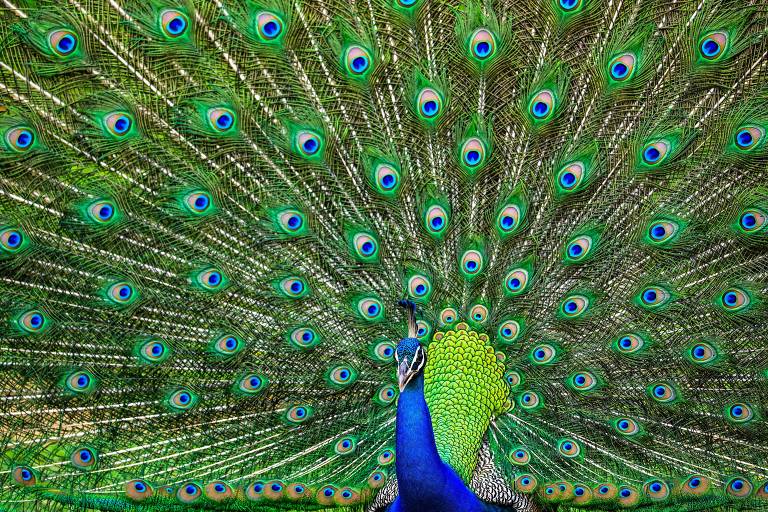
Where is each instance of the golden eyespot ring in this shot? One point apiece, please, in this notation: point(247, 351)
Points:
point(430, 103)
point(482, 44)
point(358, 60)
point(269, 26)
point(570, 176)
point(542, 105)
point(655, 152)
point(569, 448)
point(370, 309)
point(436, 219)
point(516, 281)
point(472, 262)
point(509, 218)
point(418, 286)
point(578, 248)
point(478, 313)
point(174, 23)
point(20, 138)
point(509, 331)
point(622, 67)
point(627, 426)
point(448, 316)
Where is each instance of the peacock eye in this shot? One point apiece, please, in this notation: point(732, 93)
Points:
point(269, 26)
point(574, 306)
point(571, 176)
point(419, 286)
point(174, 23)
point(20, 139)
point(387, 177)
point(622, 67)
point(189, 492)
point(357, 60)
point(118, 123)
point(713, 45)
point(63, 42)
point(542, 105)
point(182, 399)
point(430, 103)
point(436, 219)
point(473, 153)
point(221, 119)
point(308, 143)
point(516, 281)
point(655, 152)
point(482, 44)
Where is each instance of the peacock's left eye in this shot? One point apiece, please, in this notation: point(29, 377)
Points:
point(20, 139)
point(269, 26)
point(483, 44)
point(221, 119)
point(174, 23)
point(542, 105)
point(430, 103)
point(712, 45)
point(63, 42)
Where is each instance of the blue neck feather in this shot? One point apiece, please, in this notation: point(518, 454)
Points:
point(425, 482)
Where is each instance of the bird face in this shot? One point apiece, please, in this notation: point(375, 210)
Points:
point(410, 359)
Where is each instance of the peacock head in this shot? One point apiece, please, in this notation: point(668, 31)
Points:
point(410, 359)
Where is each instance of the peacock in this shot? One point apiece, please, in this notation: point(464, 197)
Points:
point(383, 255)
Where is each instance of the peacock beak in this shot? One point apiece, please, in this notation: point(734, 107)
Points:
point(404, 374)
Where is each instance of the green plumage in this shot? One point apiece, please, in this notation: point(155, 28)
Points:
point(210, 209)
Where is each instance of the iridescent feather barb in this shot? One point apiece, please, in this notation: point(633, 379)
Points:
point(209, 210)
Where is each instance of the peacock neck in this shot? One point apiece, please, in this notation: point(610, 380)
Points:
point(425, 482)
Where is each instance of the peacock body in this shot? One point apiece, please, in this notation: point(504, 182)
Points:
point(210, 209)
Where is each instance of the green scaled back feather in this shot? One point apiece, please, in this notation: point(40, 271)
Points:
point(210, 209)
